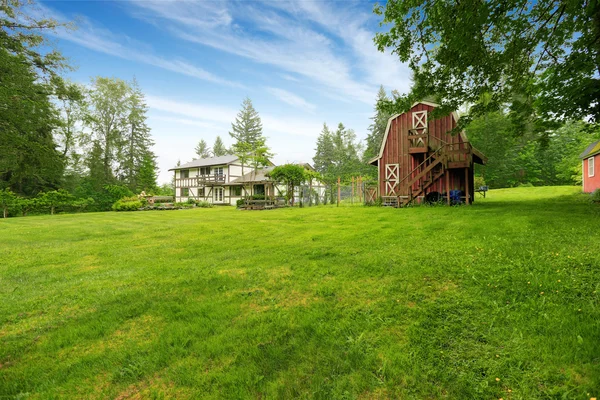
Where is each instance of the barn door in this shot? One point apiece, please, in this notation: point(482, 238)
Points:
point(392, 176)
point(419, 122)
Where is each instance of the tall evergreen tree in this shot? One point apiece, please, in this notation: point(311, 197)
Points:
point(29, 159)
point(247, 132)
point(324, 156)
point(202, 149)
point(146, 174)
point(136, 142)
point(219, 148)
point(247, 127)
point(377, 128)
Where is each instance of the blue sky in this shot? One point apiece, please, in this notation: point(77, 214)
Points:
point(302, 63)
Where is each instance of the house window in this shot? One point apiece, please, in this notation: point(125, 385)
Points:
point(218, 171)
point(201, 192)
point(184, 173)
point(185, 192)
point(204, 170)
point(591, 167)
point(236, 190)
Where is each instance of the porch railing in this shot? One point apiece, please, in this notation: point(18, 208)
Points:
point(200, 180)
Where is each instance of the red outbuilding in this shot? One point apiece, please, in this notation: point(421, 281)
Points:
point(591, 165)
point(421, 159)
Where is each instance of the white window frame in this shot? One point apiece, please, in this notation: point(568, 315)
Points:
point(591, 167)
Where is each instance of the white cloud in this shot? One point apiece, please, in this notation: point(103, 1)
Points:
point(292, 99)
point(280, 41)
point(101, 40)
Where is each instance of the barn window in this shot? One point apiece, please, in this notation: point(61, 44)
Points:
point(590, 167)
point(419, 119)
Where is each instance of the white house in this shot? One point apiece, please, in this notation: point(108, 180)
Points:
point(223, 180)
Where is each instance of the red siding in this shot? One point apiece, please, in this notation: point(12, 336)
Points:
point(396, 151)
point(591, 183)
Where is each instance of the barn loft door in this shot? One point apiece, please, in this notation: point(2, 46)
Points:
point(419, 122)
point(419, 119)
point(392, 176)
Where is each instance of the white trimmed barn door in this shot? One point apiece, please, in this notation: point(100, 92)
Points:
point(392, 177)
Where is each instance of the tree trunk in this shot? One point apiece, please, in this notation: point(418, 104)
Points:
point(5, 212)
point(51, 210)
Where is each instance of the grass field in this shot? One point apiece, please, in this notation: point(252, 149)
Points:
point(496, 300)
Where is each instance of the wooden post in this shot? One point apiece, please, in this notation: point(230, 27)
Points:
point(447, 186)
point(360, 189)
point(310, 192)
point(339, 194)
point(352, 181)
point(467, 186)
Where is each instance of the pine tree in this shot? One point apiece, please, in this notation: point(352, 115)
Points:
point(136, 141)
point(219, 148)
point(323, 159)
point(248, 126)
point(146, 176)
point(377, 128)
point(247, 131)
point(202, 149)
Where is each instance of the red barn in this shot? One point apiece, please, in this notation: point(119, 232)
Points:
point(419, 158)
point(591, 164)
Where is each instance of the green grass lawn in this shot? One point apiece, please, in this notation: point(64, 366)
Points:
point(496, 300)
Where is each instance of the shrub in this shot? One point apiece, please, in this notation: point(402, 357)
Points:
point(525, 184)
point(595, 197)
point(240, 202)
point(478, 181)
point(258, 197)
point(127, 204)
point(204, 204)
point(191, 201)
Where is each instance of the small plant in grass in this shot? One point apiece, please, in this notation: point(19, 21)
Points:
point(204, 204)
point(595, 197)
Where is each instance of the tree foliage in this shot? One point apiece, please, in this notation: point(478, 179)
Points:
point(219, 148)
point(542, 58)
point(529, 158)
point(292, 175)
point(202, 149)
point(29, 79)
point(250, 144)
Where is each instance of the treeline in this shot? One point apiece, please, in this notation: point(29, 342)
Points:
point(518, 158)
point(63, 138)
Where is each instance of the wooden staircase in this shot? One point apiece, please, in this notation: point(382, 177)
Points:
point(428, 172)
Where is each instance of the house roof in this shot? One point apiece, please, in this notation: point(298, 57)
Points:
point(207, 162)
point(254, 176)
point(591, 150)
point(478, 154)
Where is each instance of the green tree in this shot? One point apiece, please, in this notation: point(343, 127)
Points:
point(7, 200)
point(146, 174)
point(55, 198)
point(292, 175)
point(29, 77)
point(134, 151)
point(324, 153)
point(247, 127)
point(219, 148)
point(250, 144)
point(202, 149)
point(108, 118)
point(377, 128)
point(542, 58)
